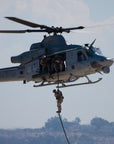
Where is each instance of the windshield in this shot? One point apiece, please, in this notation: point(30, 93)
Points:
point(97, 51)
point(92, 51)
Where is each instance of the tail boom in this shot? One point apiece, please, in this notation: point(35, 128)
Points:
point(11, 74)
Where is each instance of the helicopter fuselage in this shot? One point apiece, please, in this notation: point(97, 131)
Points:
point(77, 61)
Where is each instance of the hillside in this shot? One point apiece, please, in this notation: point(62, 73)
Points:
point(99, 131)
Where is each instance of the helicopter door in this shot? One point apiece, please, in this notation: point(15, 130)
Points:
point(77, 60)
point(82, 62)
point(31, 69)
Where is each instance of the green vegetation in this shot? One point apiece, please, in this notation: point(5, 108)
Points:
point(99, 131)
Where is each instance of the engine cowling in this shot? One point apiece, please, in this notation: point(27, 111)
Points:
point(28, 56)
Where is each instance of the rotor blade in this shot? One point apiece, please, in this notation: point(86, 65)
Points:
point(12, 31)
point(27, 23)
point(21, 31)
point(73, 28)
point(100, 25)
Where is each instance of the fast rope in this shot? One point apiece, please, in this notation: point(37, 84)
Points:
point(63, 128)
point(58, 80)
point(60, 116)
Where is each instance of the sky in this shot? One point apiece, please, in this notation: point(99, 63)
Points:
point(23, 106)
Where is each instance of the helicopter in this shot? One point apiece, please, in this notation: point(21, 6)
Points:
point(53, 61)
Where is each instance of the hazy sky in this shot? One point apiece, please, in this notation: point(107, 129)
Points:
point(22, 106)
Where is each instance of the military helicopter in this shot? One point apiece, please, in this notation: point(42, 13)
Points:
point(52, 61)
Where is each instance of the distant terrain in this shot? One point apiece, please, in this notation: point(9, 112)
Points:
point(99, 131)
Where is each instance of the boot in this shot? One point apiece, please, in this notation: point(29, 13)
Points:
point(58, 111)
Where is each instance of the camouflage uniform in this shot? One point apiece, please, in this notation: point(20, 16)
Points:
point(43, 64)
point(59, 98)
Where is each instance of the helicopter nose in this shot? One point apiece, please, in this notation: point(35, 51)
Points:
point(103, 64)
point(106, 62)
point(109, 61)
point(106, 65)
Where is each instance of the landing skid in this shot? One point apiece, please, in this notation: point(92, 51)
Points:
point(63, 85)
point(89, 82)
point(47, 84)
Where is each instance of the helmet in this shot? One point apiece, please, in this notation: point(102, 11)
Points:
point(54, 90)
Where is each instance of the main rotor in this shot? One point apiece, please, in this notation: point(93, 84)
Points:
point(42, 28)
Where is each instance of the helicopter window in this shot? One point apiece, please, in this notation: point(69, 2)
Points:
point(21, 72)
point(89, 53)
point(81, 56)
point(93, 50)
point(98, 51)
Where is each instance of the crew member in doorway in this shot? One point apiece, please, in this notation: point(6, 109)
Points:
point(57, 64)
point(59, 97)
point(48, 63)
point(43, 64)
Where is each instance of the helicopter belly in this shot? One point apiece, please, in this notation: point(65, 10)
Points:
point(63, 76)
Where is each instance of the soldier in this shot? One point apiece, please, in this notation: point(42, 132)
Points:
point(59, 63)
point(43, 64)
point(48, 63)
point(59, 98)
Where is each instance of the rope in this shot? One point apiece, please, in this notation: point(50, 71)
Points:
point(58, 80)
point(60, 116)
point(63, 128)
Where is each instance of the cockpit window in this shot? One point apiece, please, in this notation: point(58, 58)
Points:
point(89, 53)
point(97, 51)
point(81, 56)
point(92, 51)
